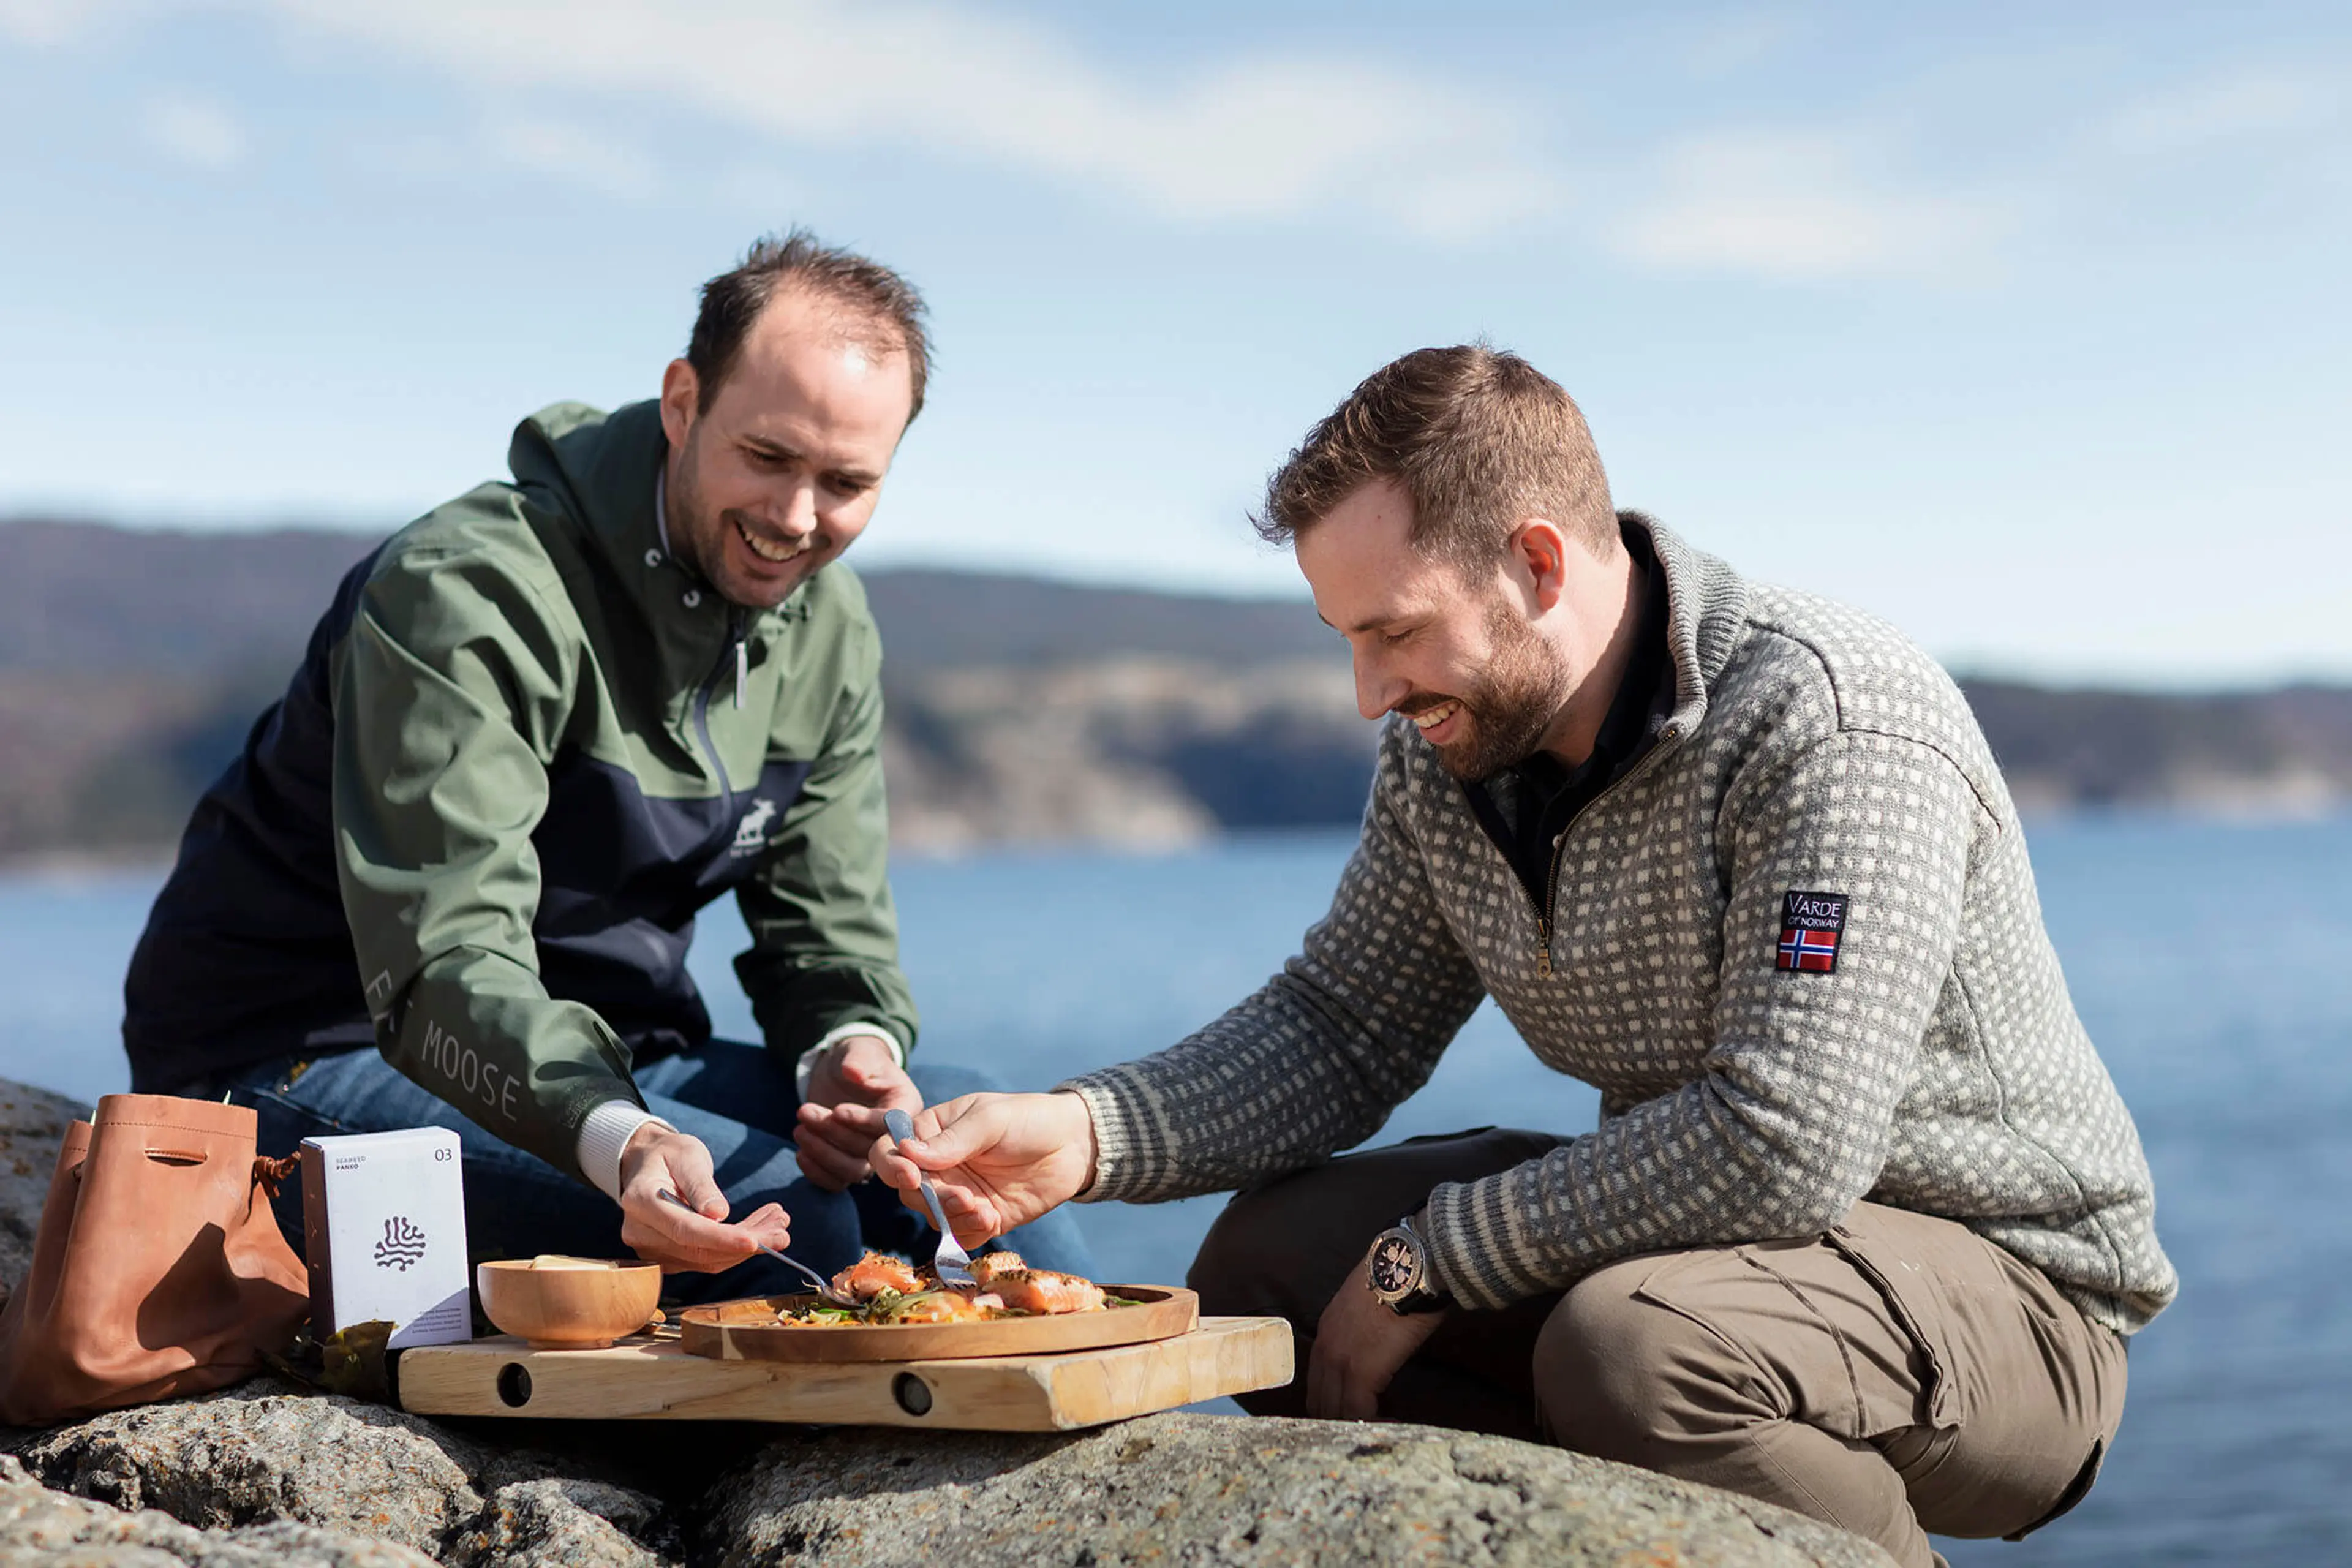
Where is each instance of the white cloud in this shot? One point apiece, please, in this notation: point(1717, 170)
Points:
point(1731, 42)
point(2244, 103)
point(39, 21)
point(571, 152)
point(196, 133)
point(1796, 206)
point(421, 155)
point(757, 188)
point(1264, 137)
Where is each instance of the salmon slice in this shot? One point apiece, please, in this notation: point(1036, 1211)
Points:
point(989, 1265)
point(874, 1273)
point(1045, 1290)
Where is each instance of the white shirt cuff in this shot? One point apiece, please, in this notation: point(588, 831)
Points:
point(602, 1136)
point(805, 1068)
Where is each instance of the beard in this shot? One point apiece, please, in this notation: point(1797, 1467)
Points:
point(1511, 707)
point(693, 531)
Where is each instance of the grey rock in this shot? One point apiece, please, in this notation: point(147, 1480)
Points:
point(284, 1544)
point(269, 1455)
point(553, 1523)
point(265, 1452)
point(32, 1125)
point(266, 1474)
point(1186, 1489)
point(40, 1526)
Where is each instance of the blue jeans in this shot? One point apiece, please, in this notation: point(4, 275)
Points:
point(740, 1100)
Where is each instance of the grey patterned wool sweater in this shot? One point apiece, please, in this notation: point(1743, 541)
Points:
point(1937, 1065)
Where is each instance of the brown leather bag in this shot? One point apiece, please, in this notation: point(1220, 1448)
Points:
point(159, 1268)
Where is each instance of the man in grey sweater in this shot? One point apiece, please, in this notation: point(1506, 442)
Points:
point(1865, 1223)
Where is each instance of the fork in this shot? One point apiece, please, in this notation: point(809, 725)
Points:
point(823, 1286)
point(951, 1263)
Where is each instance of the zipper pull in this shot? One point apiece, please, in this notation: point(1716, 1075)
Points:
point(742, 671)
point(1543, 963)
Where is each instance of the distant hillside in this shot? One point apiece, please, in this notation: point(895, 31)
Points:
point(89, 597)
point(2288, 749)
point(133, 663)
point(956, 619)
point(100, 601)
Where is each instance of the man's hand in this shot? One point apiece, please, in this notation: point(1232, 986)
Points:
point(856, 1079)
point(1360, 1346)
point(655, 1160)
point(997, 1160)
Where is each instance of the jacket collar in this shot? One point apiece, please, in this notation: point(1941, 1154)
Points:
point(603, 471)
point(1706, 608)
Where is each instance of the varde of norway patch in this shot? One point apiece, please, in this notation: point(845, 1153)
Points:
point(1810, 927)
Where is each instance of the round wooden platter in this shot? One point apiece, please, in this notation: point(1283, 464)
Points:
point(747, 1331)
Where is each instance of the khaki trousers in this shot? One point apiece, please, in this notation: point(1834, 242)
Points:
point(1897, 1375)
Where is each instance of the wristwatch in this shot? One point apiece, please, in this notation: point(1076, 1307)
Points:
point(1400, 1274)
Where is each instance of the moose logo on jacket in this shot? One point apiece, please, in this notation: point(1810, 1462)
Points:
point(752, 834)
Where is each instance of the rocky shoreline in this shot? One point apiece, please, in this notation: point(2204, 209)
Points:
point(269, 1473)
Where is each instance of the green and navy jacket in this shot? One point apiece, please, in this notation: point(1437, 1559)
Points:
point(525, 745)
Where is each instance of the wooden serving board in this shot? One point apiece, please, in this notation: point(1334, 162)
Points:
point(747, 1331)
point(652, 1378)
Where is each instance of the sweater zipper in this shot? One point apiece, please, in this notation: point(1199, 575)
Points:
point(1666, 738)
point(731, 656)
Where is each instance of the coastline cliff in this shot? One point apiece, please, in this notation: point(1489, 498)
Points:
point(1021, 710)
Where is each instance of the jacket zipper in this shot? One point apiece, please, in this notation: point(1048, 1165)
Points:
point(1667, 741)
point(728, 658)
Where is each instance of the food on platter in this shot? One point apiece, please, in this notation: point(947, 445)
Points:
point(891, 1291)
point(1043, 1291)
point(875, 1274)
point(937, 1307)
point(989, 1265)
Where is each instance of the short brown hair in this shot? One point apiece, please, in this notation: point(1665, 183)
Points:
point(1479, 439)
point(798, 259)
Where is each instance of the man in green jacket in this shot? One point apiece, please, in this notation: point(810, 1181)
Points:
point(538, 730)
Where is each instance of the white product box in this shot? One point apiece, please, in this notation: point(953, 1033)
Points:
point(383, 1225)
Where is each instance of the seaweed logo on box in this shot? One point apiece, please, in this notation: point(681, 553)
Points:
point(403, 1245)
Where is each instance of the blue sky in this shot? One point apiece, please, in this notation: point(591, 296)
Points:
point(2022, 325)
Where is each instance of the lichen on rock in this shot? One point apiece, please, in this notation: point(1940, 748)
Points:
point(269, 1453)
point(38, 1525)
point(556, 1523)
point(1192, 1489)
point(33, 1123)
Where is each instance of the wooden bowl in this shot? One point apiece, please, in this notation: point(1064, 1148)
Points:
point(568, 1303)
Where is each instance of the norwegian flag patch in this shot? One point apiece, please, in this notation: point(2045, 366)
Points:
point(1812, 925)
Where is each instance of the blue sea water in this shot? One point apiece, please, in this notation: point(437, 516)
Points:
point(2212, 964)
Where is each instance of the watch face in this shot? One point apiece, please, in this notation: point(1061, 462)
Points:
point(1395, 1267)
